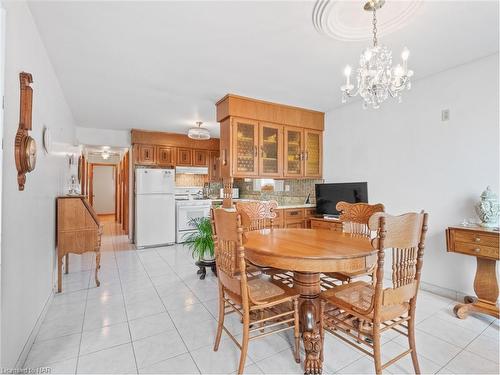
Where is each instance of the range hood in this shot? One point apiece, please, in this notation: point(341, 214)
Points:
point(191, 170)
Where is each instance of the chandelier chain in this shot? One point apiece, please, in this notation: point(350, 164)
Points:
point(375, 41)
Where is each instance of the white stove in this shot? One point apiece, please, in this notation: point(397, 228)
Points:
point(188, 205)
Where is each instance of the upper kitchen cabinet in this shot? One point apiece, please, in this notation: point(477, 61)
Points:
point(165, 156)
point(313, 153)
point(163, 149)
point(213, 166)
point(268, 140)
point(245, 148)
point(271, 150)
point(184, 156)
point(294, 154)
point(146, 155)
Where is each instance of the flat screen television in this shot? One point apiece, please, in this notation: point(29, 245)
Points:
point(328, 195)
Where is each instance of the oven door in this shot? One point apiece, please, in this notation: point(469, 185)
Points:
point(186, 213)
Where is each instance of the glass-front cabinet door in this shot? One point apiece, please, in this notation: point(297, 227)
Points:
point(293, 152)
point(245, 148)
point(271, 150)
point(313, 153)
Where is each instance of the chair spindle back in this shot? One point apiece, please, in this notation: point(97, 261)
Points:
point(355, 216)
point(256, 215)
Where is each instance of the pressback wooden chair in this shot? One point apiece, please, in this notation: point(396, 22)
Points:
point(354, 217)
point(359, 312)
point(250, 298)
point(257, 215)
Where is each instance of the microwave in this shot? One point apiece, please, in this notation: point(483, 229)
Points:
point(235, 195)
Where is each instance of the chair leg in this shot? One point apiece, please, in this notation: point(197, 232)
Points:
point(377, 355)
point(244, 341)
point(411, 342)
point(322, 329)
point(296, 330)
point(220, 323)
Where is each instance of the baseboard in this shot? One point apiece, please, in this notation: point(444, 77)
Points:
point(443, 292)
point(34, 332)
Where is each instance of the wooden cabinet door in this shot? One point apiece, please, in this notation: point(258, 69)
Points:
point(200, 158)
point(146, 155)
point(184, 156)
point(245, 148)
point(166, 155)
point(271, 150)
point(213, 166)
point(294, 140)
point(313, 155)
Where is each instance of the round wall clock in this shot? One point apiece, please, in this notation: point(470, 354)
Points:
point(24, 145)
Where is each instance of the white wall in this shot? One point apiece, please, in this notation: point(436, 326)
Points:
point(104, 189)
point(28, 217)
point(103, 137)
point(414, 161)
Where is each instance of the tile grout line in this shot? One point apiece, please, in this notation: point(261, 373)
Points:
point(165, 307)
point(124, 303)
point(83, 321)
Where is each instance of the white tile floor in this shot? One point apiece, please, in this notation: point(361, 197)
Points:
point(153, 315)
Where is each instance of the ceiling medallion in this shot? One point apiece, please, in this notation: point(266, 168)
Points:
point(199, 132)
point(376, 78)
point(341, 20)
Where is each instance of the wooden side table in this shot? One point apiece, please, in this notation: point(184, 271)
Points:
point(482, 243)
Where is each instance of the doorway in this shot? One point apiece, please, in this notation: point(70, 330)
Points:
point(103, 189)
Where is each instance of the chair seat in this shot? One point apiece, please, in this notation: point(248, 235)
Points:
point(262, 289)
point(358, 296)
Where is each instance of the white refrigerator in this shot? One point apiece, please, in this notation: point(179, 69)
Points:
point(154, 207)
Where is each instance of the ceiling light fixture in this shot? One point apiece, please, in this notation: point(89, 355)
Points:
point(105, 155)
point(198, 132)
point(376, 78)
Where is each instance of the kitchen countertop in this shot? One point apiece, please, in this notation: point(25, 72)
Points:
point(280, 207)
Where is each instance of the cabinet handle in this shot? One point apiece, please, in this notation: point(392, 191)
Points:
point(306, 155)
point(261, 151)
point(255, 153)
point(224, 160)
point(477, 250)
point(477, 239)
point(301, 156)
point(294, 213)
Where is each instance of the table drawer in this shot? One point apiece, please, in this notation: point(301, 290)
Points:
point(294, 214)
point(476, 250)
point(477, 238)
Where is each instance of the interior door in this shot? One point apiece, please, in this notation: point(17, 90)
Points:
point(104, 189)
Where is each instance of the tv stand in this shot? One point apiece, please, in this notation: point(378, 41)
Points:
point(331, 217)
point(326, 223)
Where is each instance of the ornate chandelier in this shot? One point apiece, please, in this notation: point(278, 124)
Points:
point(199, 132)
point(376, 78)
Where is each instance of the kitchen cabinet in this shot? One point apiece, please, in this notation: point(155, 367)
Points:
point(313, 153)
point(294, 144)
point(165, 156)
point(146, 155)
point(184, 156)
point(200, 158)
point(267, 140)
point(271, 150)
point(213, 166)
point(294, 218)
point(245, 150)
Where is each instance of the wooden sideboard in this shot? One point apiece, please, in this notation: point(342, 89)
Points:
point(483, 244)
point(78, 231)
point(330, 224)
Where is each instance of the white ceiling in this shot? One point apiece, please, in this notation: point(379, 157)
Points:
point(163, 65)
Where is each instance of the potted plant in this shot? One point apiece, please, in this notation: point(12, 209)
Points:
point(201, 244)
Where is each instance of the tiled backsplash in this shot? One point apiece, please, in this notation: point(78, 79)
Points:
point(190, 180)
point(298, 191)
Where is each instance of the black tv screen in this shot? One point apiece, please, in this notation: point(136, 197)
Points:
point(328, 195)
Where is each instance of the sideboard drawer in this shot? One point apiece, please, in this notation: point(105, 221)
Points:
point(316, 224)
point(294, 214)
point(476, 250)
point(476, 238)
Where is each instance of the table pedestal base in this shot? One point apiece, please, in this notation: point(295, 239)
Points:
point(486, 288)
point(308, 285)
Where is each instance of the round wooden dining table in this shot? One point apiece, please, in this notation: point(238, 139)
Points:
point(308, 253)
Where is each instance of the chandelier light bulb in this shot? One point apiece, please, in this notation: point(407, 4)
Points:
point(398, 71)
point(405, 54)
